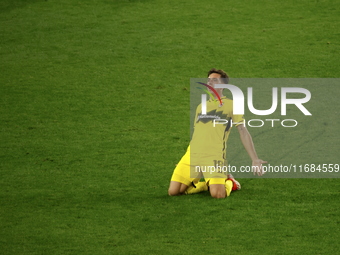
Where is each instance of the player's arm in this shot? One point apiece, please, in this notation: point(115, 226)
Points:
point(248, 144)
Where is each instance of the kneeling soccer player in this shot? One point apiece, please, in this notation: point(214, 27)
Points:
point(207, 149)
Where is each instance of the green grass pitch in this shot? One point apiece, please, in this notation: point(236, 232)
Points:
point(94, 115)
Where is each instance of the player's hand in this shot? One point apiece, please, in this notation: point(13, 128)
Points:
point(257, 167)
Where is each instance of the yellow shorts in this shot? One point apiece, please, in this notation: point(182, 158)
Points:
point(202, 167)
point(182, 171)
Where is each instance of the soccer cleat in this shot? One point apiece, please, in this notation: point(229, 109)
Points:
point(236, 184)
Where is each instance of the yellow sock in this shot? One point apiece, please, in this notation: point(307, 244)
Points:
point(228, 187)
point(200, 186)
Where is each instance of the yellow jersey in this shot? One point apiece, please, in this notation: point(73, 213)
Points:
point(211, 130)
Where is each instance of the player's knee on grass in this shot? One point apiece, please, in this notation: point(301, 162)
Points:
point(173, 192)
point(176, 188)
point(217, 190)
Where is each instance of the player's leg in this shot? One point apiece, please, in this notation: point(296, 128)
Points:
point(220, 188)
point(182, 183)
point(180, 180)
point(217, 190)
point(220, 183)
point(197, 187)
point(177, 188)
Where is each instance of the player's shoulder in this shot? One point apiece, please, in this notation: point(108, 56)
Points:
point(227, 101)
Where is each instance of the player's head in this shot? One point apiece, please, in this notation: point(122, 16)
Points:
point(219, 76)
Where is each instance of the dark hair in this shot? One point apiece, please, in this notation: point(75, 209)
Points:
point(220, 72)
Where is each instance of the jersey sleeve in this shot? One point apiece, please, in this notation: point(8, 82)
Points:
point(238, 119)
